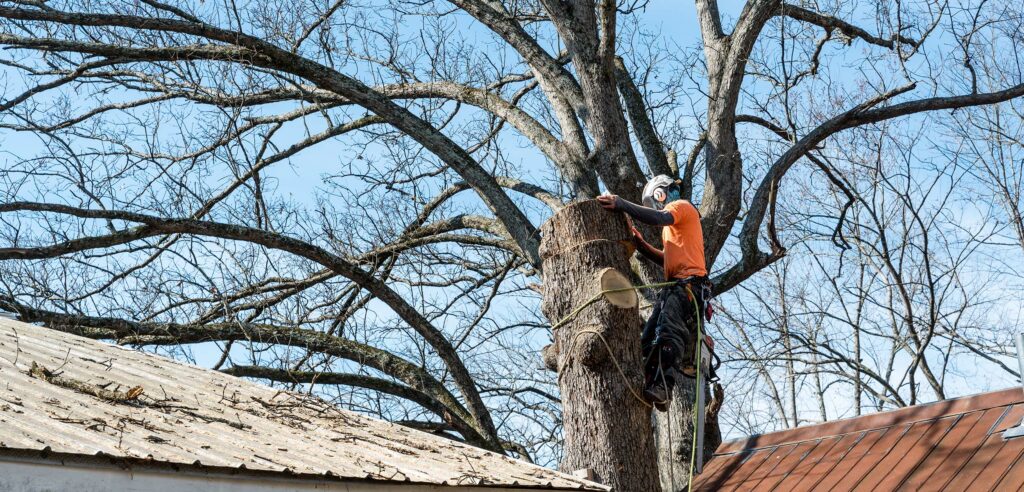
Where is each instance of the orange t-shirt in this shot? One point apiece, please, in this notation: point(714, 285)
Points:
point(683, 242)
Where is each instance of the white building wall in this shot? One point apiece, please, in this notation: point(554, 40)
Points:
point(29, 476)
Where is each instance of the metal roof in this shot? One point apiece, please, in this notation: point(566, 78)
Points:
point(948, 445)
point(193, 416)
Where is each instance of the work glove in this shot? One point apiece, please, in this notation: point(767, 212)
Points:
point(608, 201)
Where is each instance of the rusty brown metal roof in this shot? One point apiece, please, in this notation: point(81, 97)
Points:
point(191, 416)
point(948, 445)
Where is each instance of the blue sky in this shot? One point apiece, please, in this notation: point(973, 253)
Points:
point(311, 177)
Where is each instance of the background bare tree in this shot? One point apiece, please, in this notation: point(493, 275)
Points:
point(347, 194)
point(920, 303)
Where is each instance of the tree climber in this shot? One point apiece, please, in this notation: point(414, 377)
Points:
point(669, 338)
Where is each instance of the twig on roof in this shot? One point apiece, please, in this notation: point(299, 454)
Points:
point(39, 372)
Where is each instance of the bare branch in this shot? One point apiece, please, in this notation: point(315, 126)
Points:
point(642, 126)
point(264, 54)
point(830, 23)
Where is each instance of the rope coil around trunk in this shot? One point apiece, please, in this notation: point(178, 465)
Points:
point(597, 297)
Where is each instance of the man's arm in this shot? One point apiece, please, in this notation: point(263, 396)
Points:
point(643, 214)
point(646, 250)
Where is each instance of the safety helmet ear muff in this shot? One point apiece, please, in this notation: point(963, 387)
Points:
point(673, 193)
point(660, 191)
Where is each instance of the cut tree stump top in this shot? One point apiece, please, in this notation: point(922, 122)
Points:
point(579, 223)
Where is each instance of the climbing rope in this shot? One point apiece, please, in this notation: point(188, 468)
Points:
point(607, 346)
point(670, 449)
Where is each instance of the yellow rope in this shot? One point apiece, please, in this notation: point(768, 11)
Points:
point(598, 296)
point(592, 300)
point(636, 394)
point(668, 416)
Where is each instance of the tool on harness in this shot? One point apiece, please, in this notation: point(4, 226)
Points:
point(710, 359)
point(697, 449)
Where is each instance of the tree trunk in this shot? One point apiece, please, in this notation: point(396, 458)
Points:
point(720, 203)
point(607, 429)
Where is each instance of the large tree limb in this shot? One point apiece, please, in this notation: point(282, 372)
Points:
point(159, 226)
point(197, 51)
point(77, 245)
point(266, 55)
point(559, 86)
point(643, 128)
point(589, 31)
point(492, 103)
point(849, 30)
point(710, 21)
point(546, 68)
point(863, 114)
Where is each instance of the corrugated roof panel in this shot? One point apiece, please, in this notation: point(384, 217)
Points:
point(718, 470)
point(993, 457)
point(944, 450)
point(786, 465)
point(891, 458)
point(750, 464)
point(1013, 479)
point(866, 441)
point(907, 457)
point(774, 456)
point(826, 463)
point(191, 415)
point(950, 445)
point(1008, 454)
point(812, 458)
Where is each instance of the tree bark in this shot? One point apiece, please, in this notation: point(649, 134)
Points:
point(607, 428)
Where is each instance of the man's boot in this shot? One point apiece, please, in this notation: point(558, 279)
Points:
point(658, 395)
point(659, 392)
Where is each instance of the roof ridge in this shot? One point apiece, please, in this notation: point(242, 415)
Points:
point(878, 420)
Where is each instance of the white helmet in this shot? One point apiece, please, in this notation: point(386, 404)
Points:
point(660, 191)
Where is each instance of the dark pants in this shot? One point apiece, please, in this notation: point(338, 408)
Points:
point(669, 339)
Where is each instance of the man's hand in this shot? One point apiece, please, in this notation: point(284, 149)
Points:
point(608, 201)
point(632, 228)
point(637, 237)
